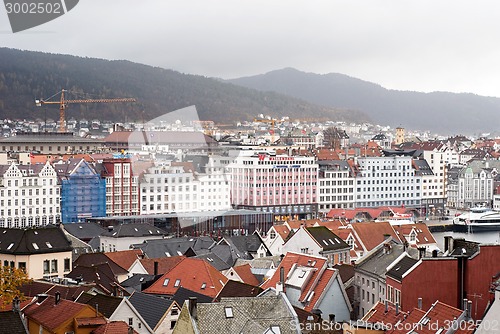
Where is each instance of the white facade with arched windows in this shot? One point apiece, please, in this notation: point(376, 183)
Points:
point(29, 195)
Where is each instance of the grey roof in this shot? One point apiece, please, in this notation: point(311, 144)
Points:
point(84, 231)
point(107, 305)
point(214, 260)
point(12, 323)
point(400, 268)
point(173, 246)
point(134, 230)
point(422, 167)
point(476, 166)
point(40, 240)
point(48, 137)
point(150, 307)
point(462, 247)
point(249, 315)
point(244, 245)
point(183, 294)
point(380, 136)
point(377, 261)
point(327, 240)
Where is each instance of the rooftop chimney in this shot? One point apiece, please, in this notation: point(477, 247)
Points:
point(16, 304)
point(58, 297)
point(397, 308)
point(386, 306)
point(282, 278)
point(192, 307)
point(421, 252)
point(419, 303)
point(155, 270)
point(468, 314)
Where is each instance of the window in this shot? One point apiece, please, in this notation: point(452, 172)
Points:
point(177, 282)
point(172, 324)
point(228, 311)
point(22, 265)
point(165, 282)
point(67, 264)
point(130, 321)
point(53, 266)
point(46, 268)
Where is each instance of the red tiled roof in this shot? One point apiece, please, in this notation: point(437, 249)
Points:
point(165, 264)
point(440, 315)
point(377, 314)
point(296, 224)
point(114, 327)
point(327, 154)
point(424, 236)
point(282, 230)
point(125, 258)
point(300, 260)
point(94, 321)
point(193, 274)
point(413, 318)
point(245, 273)
point(319, 288)
point(371, 234)
point(52, 315)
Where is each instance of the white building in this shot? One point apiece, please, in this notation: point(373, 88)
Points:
point(29, 195)
point(336, 185)
point(475, 183)
point(178, 187)
point(387, 181)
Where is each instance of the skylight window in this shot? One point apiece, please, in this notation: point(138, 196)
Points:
point(324, 241)
point(165, 282)
point(10, 246)
point(35, 246)
point(135, 229)
point(203, 286)
point(229, 312)
point(331, 241)
point(177, 282)
point(48, 244)
point(36, 232)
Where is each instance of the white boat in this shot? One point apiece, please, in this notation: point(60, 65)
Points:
point(479, 219)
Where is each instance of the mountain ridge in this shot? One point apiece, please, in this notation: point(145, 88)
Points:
point(26, 75)
point(443, 112)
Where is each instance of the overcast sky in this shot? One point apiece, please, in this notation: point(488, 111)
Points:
point(421, 45)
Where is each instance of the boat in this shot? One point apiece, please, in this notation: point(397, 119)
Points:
point(478, 219)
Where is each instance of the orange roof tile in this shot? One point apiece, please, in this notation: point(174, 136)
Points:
point(319, 288)
point(288, 261)
point(126, 258)
point(296, 224)
point(282, 230)
point(377, 314)
point(114, 327)
point(424, 236)
point(245, 273)
point(192, 274)
point(371, 234)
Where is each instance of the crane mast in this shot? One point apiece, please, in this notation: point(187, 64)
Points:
point(63, 103)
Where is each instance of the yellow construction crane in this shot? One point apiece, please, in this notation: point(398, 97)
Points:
point(272, 121)
point(64, 103)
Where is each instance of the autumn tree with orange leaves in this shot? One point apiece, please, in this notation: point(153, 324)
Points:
point(11, 280)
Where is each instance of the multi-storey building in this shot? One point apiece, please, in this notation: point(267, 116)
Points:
point(335, 185)
point(434, 183)
point(29, 195)
point(475, 183)
point(122, 186)
point(181, 187)
point(83, 191)
point(387, 181)
point(283, 185)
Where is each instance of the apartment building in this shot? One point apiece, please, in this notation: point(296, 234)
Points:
point(336, 185)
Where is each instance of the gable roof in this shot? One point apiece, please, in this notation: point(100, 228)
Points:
point(245, 273)
point(151, 308)
point(84, 231)
point(248, 315)
point(401, 267)
point(12, 323)
point(282, 230)
point(326, 239)
point(158, 248)
point(183, 294)
point(134, 230)
point(421, 231)
point(38, 240)
point(371, 234)
point(51, 315)
point(238, 289)
point(194, 274)
point(114, 327)
point(378, 314)
point(100, 274)
point(125, 258)
point(107, 305)
point(165, 264)
point(93, 259)
point(69, 292)
point(293, 260)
